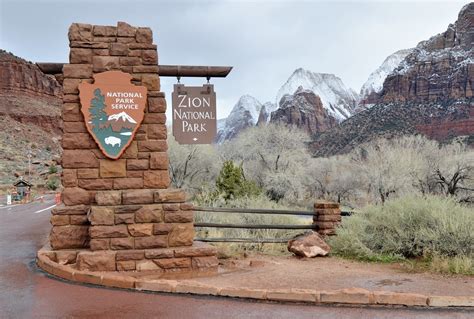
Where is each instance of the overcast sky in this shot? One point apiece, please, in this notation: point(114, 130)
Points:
point(265, 41)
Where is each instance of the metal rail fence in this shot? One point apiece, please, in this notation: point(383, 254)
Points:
point(261, 226)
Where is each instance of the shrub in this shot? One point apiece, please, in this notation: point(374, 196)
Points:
point(52, 183)
point(231, 182)
point(53, 169)
point(407, 227)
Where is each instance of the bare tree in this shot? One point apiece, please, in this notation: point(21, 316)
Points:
point(192, 166)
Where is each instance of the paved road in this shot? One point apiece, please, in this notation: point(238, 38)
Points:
point(27, 292)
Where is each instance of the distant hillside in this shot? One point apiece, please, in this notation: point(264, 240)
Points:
point(30, 117)
point(429, 92)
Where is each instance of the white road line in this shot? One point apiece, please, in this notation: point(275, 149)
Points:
point(42, 210)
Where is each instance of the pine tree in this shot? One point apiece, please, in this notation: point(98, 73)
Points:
point(232, 184)
point(96, 110)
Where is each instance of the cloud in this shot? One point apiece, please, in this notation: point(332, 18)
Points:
point(265, 41)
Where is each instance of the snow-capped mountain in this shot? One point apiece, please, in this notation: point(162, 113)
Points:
point(244, 114)
point(339, 100)
point(121, 121)
point(374, 83)
point(122, 116)
point(265, 112)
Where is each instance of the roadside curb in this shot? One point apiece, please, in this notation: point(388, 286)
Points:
point(351, 296)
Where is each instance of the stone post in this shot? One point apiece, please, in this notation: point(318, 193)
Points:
point(120, 213)
point(327, 215)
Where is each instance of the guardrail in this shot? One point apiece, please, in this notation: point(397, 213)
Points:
point(261, 226)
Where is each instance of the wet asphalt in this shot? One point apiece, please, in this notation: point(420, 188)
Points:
point(28, 292)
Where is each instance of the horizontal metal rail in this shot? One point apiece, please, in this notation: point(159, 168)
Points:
point(214, 225)
point(253, 211)
point(262, 211)
point(243, 240)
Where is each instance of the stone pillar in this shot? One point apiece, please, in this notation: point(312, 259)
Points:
point(327, 215)
point(121, 210)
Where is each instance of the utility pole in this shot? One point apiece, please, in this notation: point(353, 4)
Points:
point(29, 165)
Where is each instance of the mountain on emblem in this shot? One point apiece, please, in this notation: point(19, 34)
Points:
point(113, 109)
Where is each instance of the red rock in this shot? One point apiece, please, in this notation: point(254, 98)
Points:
point(79, 159)
point(124, 219)
point(59, 220)
point(129, 182)
point(112, 168)
point(156, 104)
point(80, 32)
point(179, 217)
point(72, 196)
point(160, 241)
point(140, 230)
point(96, 261)
point(78, 220)
point(101, 216)
point(144, 35)
point(205, 262)
point(108, 231)
point(137, 164)
point(130, 255)
point(105, 198)
point(100, 244)
point(310, 244)
point(162, 229)
point(170, 263)
point(159, 161)
point(156, 179)
point(181, 235)
point(125, 30)
point(159, 253)
point(122, 243)
point(170, 196)
point(139, 196)
point(149, 214)
point(118, 49)
point(64, 237)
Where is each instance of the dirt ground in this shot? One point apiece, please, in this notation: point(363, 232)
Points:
point(327, 273)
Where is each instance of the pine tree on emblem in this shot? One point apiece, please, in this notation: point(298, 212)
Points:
point(96, 110)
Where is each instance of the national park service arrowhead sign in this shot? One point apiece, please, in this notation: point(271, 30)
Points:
point(113, 109)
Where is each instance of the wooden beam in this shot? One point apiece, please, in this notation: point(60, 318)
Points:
point(194, 71)
point(163, 70)
point(51, 68)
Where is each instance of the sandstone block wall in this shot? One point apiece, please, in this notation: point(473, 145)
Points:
point(327, 216)
point(120, 205)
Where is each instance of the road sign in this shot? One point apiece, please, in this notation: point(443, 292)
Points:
point(194, 114)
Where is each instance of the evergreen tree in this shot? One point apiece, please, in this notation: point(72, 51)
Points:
point(96, 110)
point(232, 184)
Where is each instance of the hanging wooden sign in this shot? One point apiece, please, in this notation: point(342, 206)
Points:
point(113, 110)
point(194, 114)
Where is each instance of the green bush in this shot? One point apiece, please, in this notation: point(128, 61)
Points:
point(53, 169)
point(52, 183)
point(231, 182)
point(406, 228)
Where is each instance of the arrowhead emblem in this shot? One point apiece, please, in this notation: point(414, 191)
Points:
point(113, 110)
